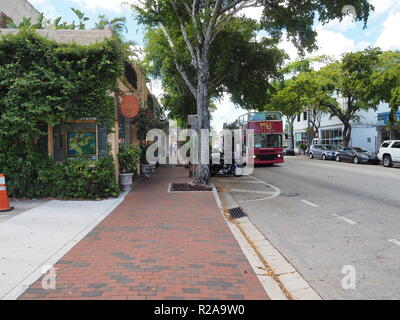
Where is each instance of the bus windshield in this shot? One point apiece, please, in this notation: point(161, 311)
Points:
point(263, 140)
point(265, 116)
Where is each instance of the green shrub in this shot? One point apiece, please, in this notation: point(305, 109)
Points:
point(78, 179)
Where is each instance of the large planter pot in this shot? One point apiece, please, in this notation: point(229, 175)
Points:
point(126, 181)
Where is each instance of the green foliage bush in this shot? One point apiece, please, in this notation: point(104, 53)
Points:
point(78, 178)
point(43, 82)
point(129, 159)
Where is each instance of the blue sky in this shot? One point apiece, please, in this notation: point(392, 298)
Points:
point(334, 39)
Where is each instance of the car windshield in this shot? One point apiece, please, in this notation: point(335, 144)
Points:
point(263, 140)
point(360, 150)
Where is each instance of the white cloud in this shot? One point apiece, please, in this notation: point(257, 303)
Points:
point(46, 7)
point(226, 113)
point(289, 48)
point(333, 43)
point(155, 88)
point(340, 26)
point(329, 43)
point(253, 13)
point(108, 5)
point(384, 6)
point(139, 51)
point(389, 38)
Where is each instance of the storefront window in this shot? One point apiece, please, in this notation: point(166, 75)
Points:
point(332, 137)
point(301, 138)
point(79, 139)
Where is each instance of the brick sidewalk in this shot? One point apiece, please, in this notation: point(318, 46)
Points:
point(156, 245)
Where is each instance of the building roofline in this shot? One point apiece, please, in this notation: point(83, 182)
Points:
point(31, 5)
point(83, 37)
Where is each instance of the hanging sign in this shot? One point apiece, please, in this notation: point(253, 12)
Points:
point(130, 106)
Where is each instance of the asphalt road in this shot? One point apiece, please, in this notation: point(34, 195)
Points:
point(324, 216)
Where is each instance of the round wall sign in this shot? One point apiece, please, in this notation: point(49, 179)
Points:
point(130, 106)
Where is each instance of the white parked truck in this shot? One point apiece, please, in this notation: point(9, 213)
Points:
point(389, 152)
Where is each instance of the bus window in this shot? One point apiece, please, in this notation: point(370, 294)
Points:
point(265, 116)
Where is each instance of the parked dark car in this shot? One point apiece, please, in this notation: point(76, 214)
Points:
point(324, 152)
point(356, 155)
point(288, 151)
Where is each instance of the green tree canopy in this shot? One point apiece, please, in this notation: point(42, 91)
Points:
point(385, 85)
point(195, 26)
point(342, 88)
point(239, 66)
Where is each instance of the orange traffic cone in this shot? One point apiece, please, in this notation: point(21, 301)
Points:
point(4, 201)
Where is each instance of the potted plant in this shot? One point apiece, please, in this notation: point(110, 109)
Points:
point(128, 158)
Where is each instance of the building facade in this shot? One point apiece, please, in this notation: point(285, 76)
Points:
point(17, 10)
point(125, 132)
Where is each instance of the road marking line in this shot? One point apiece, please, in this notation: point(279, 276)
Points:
point(347, 220)
point(251, 191)
point(394, 241)
point(238, 181)
point(309, 203)
point(274, 195)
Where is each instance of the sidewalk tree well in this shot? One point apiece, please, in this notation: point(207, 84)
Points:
point(194, 26)
point(46, 83)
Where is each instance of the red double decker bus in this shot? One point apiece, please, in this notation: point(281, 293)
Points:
point(268, 135)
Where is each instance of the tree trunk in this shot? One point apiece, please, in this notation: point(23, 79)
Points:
point(202, 172)
point(392, 121)
point(291, 125)
point(346, 134)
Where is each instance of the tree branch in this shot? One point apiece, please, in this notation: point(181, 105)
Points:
point(186, 37)
point(179, 66)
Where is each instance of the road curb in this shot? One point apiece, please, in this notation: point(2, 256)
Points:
point(271, 287)
point(285, 276)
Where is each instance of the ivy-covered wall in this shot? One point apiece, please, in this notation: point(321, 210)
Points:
point(46, 83)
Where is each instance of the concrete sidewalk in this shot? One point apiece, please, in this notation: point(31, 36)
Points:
point(156, 245)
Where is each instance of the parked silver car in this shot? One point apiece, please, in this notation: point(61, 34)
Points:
point(324, 152)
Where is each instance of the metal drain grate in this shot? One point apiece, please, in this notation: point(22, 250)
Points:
point(181, 187)
point(237, 213)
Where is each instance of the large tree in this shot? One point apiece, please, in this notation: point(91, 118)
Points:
point(343, 88)
point(289, 101)
point(199, 22)
point(386, 86)
point(240, 66)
